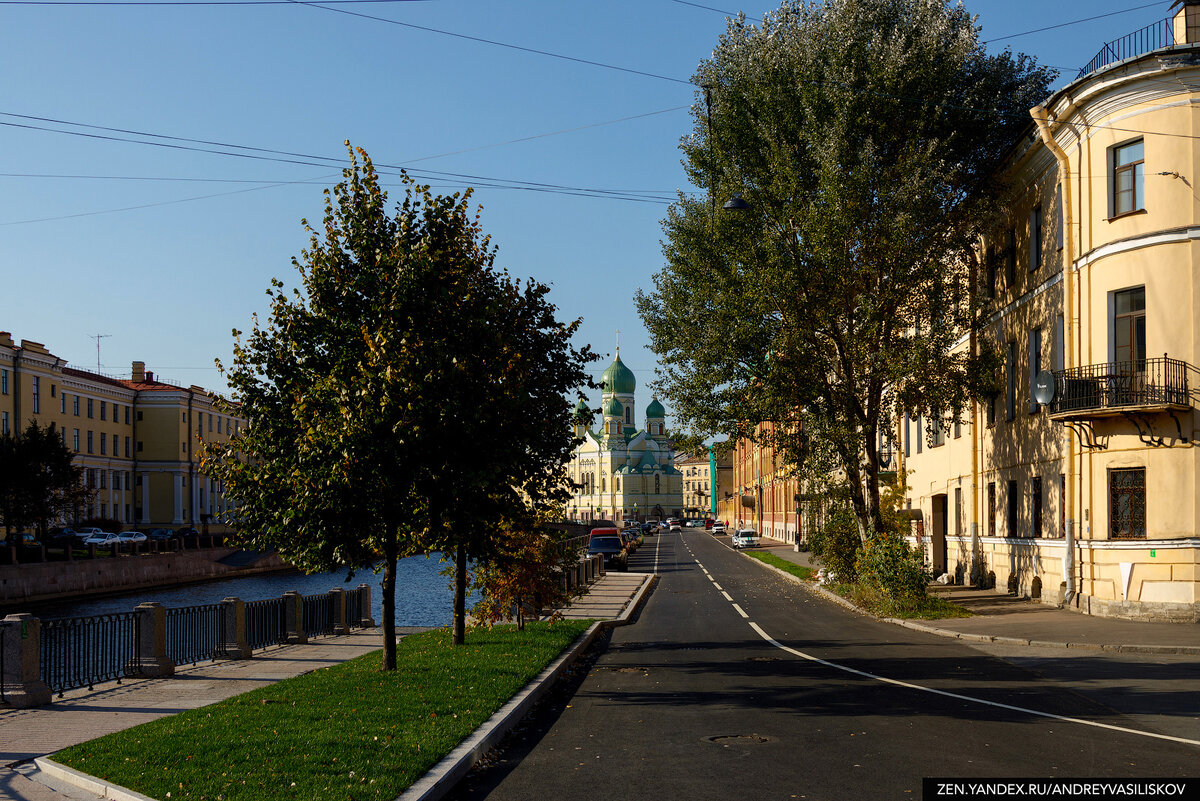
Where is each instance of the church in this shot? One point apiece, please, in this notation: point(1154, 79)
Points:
point(620, 471)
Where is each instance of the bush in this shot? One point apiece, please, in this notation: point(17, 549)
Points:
point(837, 545)
point(893, 567)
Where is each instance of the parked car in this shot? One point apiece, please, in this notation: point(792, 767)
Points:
point(607, 542)
point(674, 525)
point(161, 535)
point(103, 539)
point(23, 539)
point(650, 527)
point(630, 540)
point(708, 524)
point(718, 529)
point(87, 531)
point(133, 535)
point(745, 538)
point(62, 538)
point(187, 531)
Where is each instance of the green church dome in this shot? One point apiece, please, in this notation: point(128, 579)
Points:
point(618, 378)
point(583, 414)
point(614, 408)
point(655, 409)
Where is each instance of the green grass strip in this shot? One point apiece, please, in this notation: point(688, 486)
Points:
point(349, 731)
point(799, 571)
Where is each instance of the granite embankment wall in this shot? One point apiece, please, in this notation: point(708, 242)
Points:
point(46, 581)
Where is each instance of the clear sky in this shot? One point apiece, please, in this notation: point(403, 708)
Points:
point(166, 249)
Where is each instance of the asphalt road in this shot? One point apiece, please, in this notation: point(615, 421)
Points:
point(735, 683)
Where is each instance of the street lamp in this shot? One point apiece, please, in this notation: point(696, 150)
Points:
point(736, 203)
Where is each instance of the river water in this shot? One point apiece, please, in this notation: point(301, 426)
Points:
point(423, 595)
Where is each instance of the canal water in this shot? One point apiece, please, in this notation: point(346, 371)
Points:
point(423, 595)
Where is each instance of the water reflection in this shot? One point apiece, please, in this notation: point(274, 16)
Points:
point(423, 596)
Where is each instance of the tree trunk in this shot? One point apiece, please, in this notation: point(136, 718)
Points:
point(460, 595)
point(388, 591)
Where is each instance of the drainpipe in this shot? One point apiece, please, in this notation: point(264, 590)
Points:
point(1041, 117)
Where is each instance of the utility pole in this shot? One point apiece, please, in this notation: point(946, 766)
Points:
point(98, 337)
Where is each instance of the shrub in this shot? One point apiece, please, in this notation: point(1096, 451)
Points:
point(893, 567)
point(837, 544)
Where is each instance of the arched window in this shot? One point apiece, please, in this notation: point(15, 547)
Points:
point(629, 414)
point(616, 485)
point(603, 484)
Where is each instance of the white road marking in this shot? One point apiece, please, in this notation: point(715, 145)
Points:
point(715, 584)
point(727, 598)
point(740, 612)
point(960, 697)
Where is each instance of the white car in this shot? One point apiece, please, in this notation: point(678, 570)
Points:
point(132, 536)
point(103, 538)
point(674, 526)
point(718, 528)
point(745, 538)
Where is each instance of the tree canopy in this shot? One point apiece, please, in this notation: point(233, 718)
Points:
point(39, 484)
point(403, 399)
point(867, 139)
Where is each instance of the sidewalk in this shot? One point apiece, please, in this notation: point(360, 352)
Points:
point(83, 715)
point(1009, 620)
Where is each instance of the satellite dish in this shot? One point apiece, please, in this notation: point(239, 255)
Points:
point(1043, 388)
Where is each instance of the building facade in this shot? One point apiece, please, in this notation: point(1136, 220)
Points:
point(764, 492)
point(135, 439)
point(706, 480)
point(621, 471)
point(1077, 482)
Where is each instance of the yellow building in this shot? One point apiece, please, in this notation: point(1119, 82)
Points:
point(135, 439)
point(702, 490)
point(1078, 482)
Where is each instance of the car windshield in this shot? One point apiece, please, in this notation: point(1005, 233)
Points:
point(605, 542)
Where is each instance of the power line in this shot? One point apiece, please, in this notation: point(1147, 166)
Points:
point(718, 10)
point(184, 2)
point(1072, 22)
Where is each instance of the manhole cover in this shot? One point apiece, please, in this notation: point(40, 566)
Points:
point(738, 739)
point(616, 669)
point(764, 659)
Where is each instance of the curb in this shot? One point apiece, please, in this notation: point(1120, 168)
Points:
point(85, 782)
point(1190, 650)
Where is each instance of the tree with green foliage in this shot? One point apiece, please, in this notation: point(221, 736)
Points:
point(39, 483)
point(867, 139)
point(402, 401)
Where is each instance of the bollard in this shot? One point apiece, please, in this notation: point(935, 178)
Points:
point(367, 621)
point(21, 640)
point(293, 612)
point(337, 601)
point(233, 629)
point(152, 642)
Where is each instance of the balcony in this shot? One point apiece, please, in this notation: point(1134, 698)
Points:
point(1143, 386)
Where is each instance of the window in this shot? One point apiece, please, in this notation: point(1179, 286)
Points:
point(117, 480)
point(62, 403)
point(75, 404)
point(1128, 178)
point(991, 274)
point(103, 481)
point(3, 382)
point(103, 444)
point(115, 440)
point(1013, 509)
point(1062, 504)
point(90, 446)
point(126, 415)
point(1010, 259)
point(1129, 327)
point(37, 395)
point(75, 441)
point(1127, 503)
point(1035, 365)
point(991, 508)
point(957, 427)
point(1035, 506)
point(1010, 368)
point(937, 431)
point(1035, 238)
point(4, 424)
point(920, 433)
point(103, 410)
point(139, 446)
point(91, 410)
point(657, 488)
point(127, 447)
point(210, 423)
point(958, 512)
point(62, 436)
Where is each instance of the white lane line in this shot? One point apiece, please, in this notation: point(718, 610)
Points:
point(740, 611)
point(718, 586)
point(727, 598)
point(957, 696)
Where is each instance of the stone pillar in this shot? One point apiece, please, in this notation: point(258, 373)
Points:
point(20, 654)
point(367, 621)
point(337, 600)
point(293, 614)
point(152, 641)
point(233, 629)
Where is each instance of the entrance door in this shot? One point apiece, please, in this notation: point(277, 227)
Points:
point(938, 539)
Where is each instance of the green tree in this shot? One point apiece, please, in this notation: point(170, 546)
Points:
point(374, 397)
point(39, 484)
point(526, 576)
point(867, 138)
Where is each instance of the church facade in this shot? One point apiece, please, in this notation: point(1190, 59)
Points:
point(621, 471)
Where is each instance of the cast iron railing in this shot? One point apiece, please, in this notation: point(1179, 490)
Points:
point(3, 673)
point(81, 651)
point(1117, 385)
point(1152, 37)
point(266, 623)
point(195, 633)
point(355, 608)
point(318, 614)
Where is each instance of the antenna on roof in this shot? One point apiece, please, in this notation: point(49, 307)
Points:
point(98, 337)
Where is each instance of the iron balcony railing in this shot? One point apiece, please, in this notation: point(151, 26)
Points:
point(83, 651)
point(1115, 386)
point(1152, 37)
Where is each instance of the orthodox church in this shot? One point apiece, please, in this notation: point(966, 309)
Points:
point(620, 471)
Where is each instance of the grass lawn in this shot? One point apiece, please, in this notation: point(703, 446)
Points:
point(346, 732)
point(799, 571)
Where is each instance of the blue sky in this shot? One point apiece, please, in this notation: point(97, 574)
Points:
point(101, 242)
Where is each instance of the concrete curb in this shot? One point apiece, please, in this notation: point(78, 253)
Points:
point(1191, 650)
point(85, 782)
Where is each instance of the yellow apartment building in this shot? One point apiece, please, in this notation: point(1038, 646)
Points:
point(702, 488)
point(136, 439)
point(1077, 483)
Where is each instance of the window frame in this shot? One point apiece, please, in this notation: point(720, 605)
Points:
point(1138, 169)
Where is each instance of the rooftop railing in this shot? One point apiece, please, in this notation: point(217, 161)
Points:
point(1152, 37)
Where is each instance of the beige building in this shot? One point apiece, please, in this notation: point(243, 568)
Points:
point(702, 490)
point(1078, 482)
point(136, 439)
